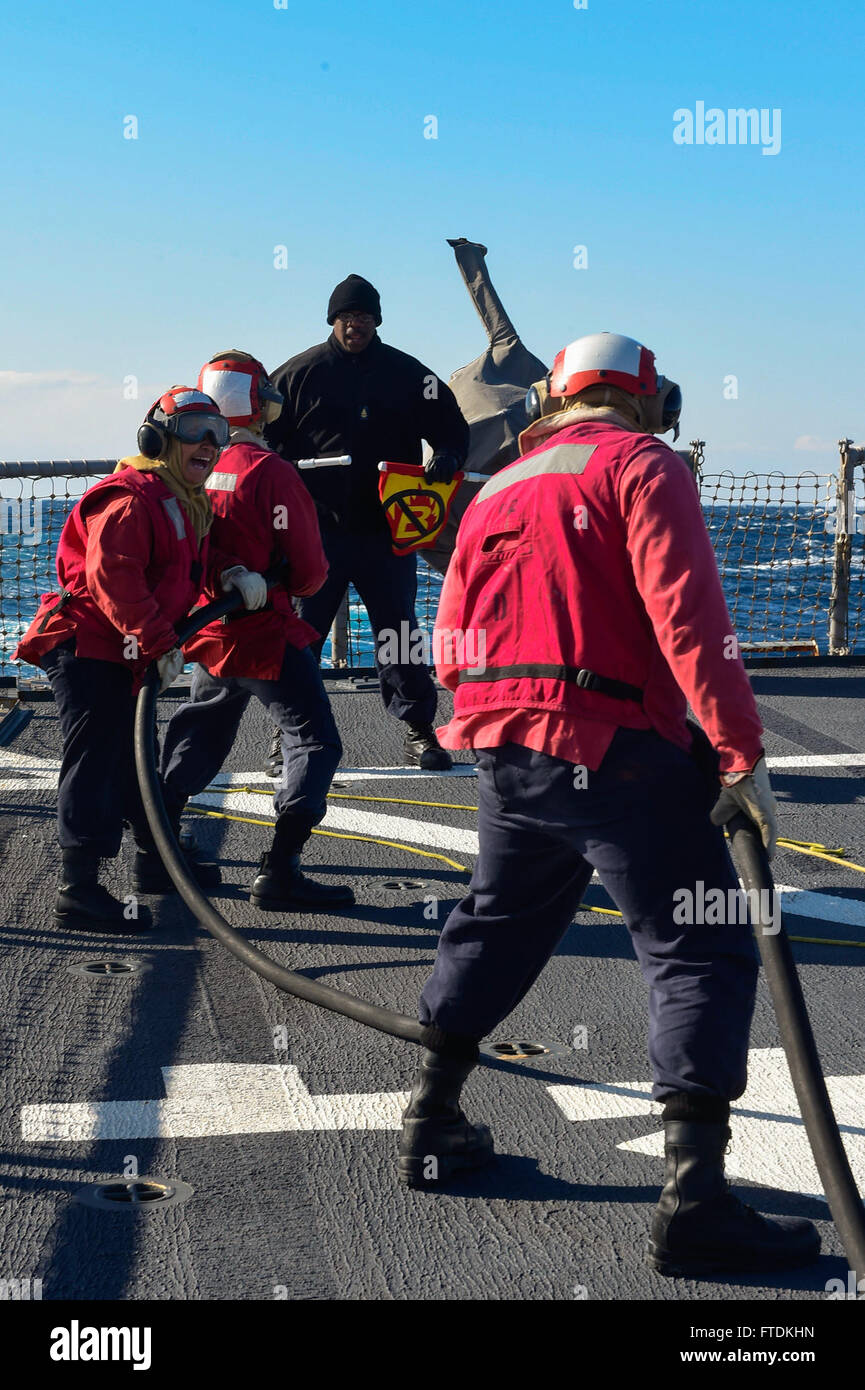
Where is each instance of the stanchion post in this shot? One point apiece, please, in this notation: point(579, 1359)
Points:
point(840, 596)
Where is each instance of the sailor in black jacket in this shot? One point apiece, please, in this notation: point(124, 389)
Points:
point(354, 394)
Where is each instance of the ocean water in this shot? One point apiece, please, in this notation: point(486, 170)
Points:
point(775, 560)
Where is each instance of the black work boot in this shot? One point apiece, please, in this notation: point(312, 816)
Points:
point(280, 886)
point(149, 874)
point(273, 761)
point(700, 1227)
point(436, 1137)
point(422, 749)
point(83, 904)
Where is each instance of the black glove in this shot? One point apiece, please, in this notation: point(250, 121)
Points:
point(441, 467)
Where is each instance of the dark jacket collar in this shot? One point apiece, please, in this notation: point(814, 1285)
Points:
point(359, 357)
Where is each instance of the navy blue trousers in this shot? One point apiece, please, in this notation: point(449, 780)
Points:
point(642, 821)
point(201, 734)
point(98, 788)
point(387, 585)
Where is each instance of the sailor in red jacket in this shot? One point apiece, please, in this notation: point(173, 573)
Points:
point(264, 515)
point(581, 611)
point(131, 560)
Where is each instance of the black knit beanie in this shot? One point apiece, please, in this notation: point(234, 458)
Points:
point(355, 293)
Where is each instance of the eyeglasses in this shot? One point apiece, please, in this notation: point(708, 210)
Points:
point(362, 320)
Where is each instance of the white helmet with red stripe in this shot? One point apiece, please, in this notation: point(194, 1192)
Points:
point(609, 359)
point(241, 388)
point(188, 414)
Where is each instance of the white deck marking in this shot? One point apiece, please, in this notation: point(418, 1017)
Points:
point(805, 760)
point(769, 1147)
point(26, 772)
point(826, 907)
point(353, 774)
point(377, 826)
point(23, 771)
point(769, 1144)
point(29, 772)
point(372, 774)
point(32, 773)
point(214, 1099)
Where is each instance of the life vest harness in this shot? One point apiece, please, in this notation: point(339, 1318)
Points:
point(580, 676)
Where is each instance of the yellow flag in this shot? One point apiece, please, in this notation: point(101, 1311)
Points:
point(416, 510)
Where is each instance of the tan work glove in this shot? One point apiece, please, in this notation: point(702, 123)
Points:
point(752, 793)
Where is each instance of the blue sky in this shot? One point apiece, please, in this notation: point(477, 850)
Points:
point(303, 127)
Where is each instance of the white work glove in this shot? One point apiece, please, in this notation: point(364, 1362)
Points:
point(752, 793)
point(169, 666)
point(251, 586)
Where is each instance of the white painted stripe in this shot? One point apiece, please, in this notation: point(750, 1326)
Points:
point(597, 1100)
point(803, 761)
point(410, 774)
point(769, 1143)
point(417, 832)
point(21, 772)
point(802, 902)
point(32, 773)
point(215, 1099)
point(27, 771)
point(356, 822)
point(350, 774)
point(827, 907)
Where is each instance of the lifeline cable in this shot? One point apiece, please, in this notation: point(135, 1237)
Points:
point(385, 1020)
point(800, 1049)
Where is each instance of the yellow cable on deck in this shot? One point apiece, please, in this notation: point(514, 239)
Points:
point(334, 835)
point(810, 847)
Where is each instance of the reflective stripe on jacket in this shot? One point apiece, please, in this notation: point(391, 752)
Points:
point(591, 552)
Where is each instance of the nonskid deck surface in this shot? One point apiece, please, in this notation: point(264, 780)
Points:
point(283, 1118)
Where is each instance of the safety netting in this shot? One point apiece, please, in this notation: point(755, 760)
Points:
point(774, 540)
point(773, 534)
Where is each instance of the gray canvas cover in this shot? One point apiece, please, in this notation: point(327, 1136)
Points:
point(491, 392)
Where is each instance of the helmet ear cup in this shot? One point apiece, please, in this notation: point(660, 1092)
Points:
point(151, 440)
point(538, 400)
point(672, 410)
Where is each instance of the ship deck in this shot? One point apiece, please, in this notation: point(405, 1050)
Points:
point(282, 1118)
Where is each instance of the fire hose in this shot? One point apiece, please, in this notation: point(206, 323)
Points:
point(797, 1038)
point(385, 1020)
point(845, 1203)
